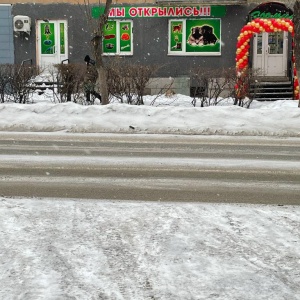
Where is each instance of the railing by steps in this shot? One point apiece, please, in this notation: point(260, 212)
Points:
point(41, 86)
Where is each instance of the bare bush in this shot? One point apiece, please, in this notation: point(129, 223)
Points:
point(165, 90)
point(21, 82)
point(6, 73)
point(69, 81)
point(210, 84)
point(119, 80)
point(141, 75)
point(128, 81)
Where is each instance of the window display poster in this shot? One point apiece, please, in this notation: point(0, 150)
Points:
point(62, 38)
point(203, 35)
point(125, 36)
point(176, 30)
point(47, 38)
point(110, 37)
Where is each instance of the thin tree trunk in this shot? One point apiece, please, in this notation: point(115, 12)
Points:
point(102, 84)
point(96, 43)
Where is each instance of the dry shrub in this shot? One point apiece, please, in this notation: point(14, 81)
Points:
point(16, 82)
point(129, 81)
point(69, 81)
point(210, 84)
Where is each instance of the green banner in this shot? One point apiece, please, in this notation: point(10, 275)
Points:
point(47, 38)
point(161, 11)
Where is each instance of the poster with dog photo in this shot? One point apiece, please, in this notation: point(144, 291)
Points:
point(203, 36)
point(195, 37)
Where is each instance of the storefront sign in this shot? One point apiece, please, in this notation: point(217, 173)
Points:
point(272, 10)
point(165, 11)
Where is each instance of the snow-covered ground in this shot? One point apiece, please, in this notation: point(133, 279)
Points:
point(173, 115)
point(81, 249)
point(54, 249)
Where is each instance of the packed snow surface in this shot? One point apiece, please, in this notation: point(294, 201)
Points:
point(86, 249)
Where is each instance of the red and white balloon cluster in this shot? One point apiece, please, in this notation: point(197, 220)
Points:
point(262, 25)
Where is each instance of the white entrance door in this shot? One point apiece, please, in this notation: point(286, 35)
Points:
point(270, 53)
point(52, 42)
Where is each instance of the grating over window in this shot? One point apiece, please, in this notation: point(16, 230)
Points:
point(6, 35)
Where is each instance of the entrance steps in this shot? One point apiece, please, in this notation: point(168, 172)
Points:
point(41, 86)
point(272, 89)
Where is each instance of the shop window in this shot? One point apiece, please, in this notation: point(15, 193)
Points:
point(195, 37)
point(117, 39)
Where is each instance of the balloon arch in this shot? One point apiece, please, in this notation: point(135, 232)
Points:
point(243, 44)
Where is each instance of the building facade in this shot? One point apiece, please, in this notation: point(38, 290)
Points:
point(177, 35)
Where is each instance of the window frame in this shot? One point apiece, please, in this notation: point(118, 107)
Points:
point(117, 41)
point(183, 51)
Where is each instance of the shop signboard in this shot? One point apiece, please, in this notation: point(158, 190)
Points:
point(272, 10)
point(161, 11)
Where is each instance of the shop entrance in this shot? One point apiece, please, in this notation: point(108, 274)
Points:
point(270, 53)
point(52, 42)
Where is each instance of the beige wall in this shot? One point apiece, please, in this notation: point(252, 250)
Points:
point(287, 2)
point(73, 1)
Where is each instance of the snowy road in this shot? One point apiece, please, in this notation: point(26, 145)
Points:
point(151, 167)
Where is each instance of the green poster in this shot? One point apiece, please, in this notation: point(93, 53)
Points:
point(47, 38)
point(62, 38)
point(176, 30)
point(203, 35)
point(110, 37)
point(125, 36)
